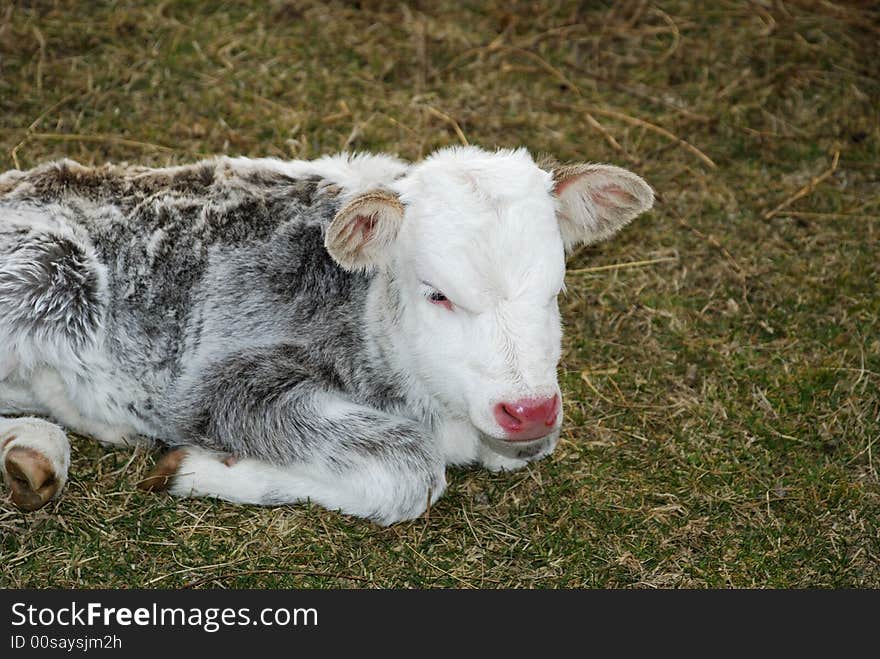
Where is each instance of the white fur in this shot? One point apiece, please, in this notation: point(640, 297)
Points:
point(372, 491)
point(353, 173)
point(480, 227)
point(51, 392)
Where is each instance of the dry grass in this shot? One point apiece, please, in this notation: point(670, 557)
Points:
point(722, 407)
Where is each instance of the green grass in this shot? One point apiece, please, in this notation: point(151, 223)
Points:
point(726, 431)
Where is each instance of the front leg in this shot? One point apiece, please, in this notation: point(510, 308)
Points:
point(306, 443)
point(34, 459)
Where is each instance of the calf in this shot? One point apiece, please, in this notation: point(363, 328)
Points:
point(337, 330)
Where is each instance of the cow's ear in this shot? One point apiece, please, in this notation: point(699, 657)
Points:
point(361, 234)
point(596, 201)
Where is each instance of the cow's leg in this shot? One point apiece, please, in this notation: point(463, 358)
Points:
point(16, 396)
point(374, 489)
point(34, 459)
point(34, 454)
point(52, 291)
point(341, 455)
point(50, 391)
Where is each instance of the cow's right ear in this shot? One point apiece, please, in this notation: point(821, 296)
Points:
point(361, 234)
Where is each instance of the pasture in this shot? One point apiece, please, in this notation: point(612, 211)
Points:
point(721, 358)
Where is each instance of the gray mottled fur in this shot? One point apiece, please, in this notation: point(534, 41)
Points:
point(206, 292)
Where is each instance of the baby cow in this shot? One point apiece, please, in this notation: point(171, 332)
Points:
point(337, 330)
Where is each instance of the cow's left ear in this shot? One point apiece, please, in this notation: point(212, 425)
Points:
point(361, 234)
point(596, 201)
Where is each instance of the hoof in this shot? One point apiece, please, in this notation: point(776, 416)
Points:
point(31, 478)
point(163, 473)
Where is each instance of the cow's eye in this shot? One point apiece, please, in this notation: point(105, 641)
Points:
point(436, 297)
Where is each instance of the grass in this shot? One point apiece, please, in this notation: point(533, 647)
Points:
point(721, 406)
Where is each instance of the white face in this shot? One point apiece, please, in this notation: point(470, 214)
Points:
point(479, 280)
point(475, 241)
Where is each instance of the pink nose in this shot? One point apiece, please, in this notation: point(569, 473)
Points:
point(529, 418)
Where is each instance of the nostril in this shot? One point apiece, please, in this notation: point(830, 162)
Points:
point(514, 411)
point(506, 416)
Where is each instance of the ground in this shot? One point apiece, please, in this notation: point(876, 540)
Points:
point(722, 356)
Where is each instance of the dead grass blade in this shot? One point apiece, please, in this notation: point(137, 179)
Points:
point(108, 139)
point(647, 125)
point(620, 266)
point(807, 189)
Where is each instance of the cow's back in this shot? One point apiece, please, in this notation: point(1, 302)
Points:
point(202, 262)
